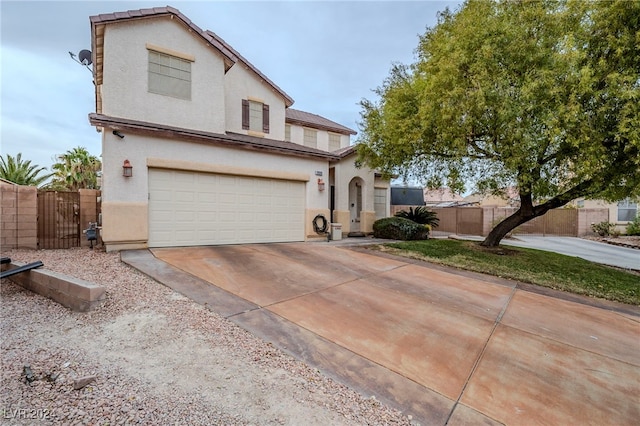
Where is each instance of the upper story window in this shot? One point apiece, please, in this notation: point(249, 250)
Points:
point(627, 210)
point(255, 116)
point(169, 75)
point(334, 141)
point(310, 138)
point(287, 132)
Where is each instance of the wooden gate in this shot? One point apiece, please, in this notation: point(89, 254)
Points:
point(58, 219)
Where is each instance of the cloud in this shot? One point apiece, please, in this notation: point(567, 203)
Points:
point(45, 102)
point(326, 55)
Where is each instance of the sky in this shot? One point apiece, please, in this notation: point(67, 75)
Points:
point(327, 56)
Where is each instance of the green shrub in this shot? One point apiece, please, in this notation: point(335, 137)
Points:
point(420, 215)
point(398, 228)
point(633, 228)
point(604, 229)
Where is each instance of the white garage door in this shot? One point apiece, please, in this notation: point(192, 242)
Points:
point(187, 208)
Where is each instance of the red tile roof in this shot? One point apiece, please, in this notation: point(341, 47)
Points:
point(302, 118)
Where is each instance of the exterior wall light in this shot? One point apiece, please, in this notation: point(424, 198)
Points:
point(320, 185)
point(127, 169)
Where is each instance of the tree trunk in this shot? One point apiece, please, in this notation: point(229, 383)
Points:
point(525, 213)
point(503, 228)
point(528, 211)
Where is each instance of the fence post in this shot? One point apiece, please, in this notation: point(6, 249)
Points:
point(457, 208)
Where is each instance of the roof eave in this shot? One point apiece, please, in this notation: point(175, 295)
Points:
point(240, 141)
point(288, 100)
point(343, 131)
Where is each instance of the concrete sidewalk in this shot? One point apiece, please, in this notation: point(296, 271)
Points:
point(447, 347)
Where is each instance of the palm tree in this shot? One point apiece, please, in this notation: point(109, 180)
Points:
point(76, 169)
point(420, 215)
point(15, 170)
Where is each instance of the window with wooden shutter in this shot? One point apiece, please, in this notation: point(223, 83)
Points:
point(245, 114)
point(265, 118)
point(255, 116)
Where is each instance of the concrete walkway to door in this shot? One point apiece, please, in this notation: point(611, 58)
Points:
point(445, 346)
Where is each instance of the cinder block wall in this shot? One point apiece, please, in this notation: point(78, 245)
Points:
point(588, 216)
point(18, 216)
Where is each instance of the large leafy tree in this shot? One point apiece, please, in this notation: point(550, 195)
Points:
point(543, 95)
point(17, 170)
point(76, 169)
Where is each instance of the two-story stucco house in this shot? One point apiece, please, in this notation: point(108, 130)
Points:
point(214, 152)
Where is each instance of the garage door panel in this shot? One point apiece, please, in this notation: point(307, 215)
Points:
point(163, 195)
point(185, 196)
point(206, 197)
point(183, 218)
point(207, 209)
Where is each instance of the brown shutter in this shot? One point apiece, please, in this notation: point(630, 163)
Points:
point(245, 114)
point(265, 118)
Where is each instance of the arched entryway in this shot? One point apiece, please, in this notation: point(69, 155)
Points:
point(356, 187)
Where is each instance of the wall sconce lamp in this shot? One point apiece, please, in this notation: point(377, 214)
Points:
point(118, 134)
point(127, 169)
point(320, 185)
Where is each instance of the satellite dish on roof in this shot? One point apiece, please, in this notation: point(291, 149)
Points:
point(85, 57)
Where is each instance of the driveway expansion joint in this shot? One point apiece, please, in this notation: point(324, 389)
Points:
point(481, 354)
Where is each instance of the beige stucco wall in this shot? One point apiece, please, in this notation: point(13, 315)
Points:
point(125, 85)
point(241, 83)
point(125, 200)
point(137, 149)
point(297, 136)
point(310, 214)
point(345, 173)
point(125, 225)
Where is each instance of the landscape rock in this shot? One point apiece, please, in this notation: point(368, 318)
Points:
point(82, 382)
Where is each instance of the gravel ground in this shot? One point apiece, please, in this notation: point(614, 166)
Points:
point(157, 358)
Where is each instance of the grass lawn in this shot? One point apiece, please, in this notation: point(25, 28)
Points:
point(543, 268)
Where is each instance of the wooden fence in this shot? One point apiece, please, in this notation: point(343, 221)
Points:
point(480, 221)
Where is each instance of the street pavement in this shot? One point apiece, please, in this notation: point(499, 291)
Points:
point(607, 254)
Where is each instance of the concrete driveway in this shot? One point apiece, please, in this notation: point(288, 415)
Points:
point(445, 346)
